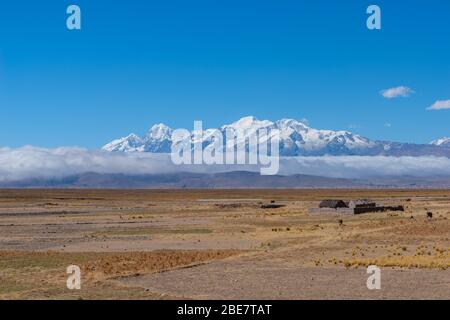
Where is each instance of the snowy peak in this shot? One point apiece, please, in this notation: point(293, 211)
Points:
point(129, 143)
point(444, 142)
point(158, 140)
point(160, 132)
point(248, 123)
point(291, 123)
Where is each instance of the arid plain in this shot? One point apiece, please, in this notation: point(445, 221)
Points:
point(221, 244)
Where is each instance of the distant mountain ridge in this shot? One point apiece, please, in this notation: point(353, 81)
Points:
point(226, 180)
point(296, 139)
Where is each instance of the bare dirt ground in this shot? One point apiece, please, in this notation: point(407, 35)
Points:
point(220, 244)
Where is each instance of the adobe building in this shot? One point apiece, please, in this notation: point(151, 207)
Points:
point(335, 206)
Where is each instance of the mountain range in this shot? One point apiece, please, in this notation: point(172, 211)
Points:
point(313, 158)
point(225, 180)
point(297, 138)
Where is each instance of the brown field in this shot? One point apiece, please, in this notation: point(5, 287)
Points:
point(220, 244)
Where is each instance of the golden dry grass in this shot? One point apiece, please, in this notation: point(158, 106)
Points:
point(422, 262)
point(132, 263)
point(25, 274)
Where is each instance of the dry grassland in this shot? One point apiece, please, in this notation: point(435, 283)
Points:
point(123, 240)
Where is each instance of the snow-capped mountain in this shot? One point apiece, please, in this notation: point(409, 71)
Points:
point(157, 140)
point(441, 142)
point(296, 139)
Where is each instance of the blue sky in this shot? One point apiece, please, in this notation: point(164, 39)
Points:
point(136, 63)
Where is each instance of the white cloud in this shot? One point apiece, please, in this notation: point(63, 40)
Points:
point(396, 92)
point(32, 162)
point(440, 105)
point(366, 166)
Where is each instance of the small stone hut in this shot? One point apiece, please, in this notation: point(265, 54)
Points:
point(333, 204)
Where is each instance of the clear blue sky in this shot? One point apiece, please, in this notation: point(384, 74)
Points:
point(136, 63)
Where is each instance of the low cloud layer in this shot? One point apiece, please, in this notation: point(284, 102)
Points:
point(31, 162)
point(34, 163)
point(366, 166)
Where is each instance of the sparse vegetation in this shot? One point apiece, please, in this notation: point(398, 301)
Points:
point(113, 234)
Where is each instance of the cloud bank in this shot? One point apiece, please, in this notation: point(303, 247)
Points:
point(31, 162)
point(366, 166)
point(397, 92)
point(34, 163)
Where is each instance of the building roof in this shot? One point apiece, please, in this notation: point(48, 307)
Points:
point(333, 204)
point(362, 203)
